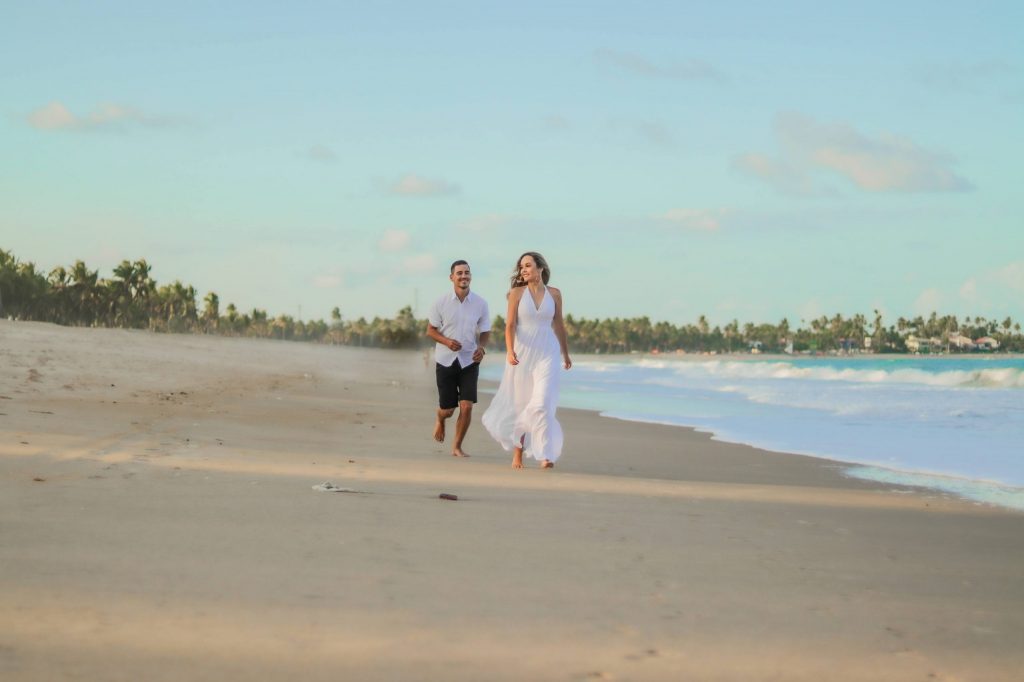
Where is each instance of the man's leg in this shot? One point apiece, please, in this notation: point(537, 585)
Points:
point(461, 426)
point(442, 415)
point(447, 395)
point(467, 396)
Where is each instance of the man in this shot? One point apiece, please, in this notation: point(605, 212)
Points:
point(455, 321)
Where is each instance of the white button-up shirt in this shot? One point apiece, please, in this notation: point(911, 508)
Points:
point(462, 321)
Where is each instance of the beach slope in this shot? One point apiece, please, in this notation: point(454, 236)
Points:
point(158, 521)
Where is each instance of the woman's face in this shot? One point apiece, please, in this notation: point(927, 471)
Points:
point(528, 270)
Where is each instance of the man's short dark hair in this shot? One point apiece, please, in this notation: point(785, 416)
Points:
point(456, 264)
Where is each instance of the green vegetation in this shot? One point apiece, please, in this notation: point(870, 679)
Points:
point(131, 298)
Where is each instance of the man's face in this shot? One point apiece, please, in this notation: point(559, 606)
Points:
point(461, 277)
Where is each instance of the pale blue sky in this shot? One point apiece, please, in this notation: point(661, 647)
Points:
point(750, 160)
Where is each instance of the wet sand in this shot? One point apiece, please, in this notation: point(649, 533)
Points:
point(158, 521)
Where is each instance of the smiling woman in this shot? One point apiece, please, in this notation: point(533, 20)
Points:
point(522, 415)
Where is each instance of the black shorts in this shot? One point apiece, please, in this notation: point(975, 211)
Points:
point(456, 383)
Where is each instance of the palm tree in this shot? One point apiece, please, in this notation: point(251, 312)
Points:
point(211, 312)
point(231, 319)
point(877, 336)
point(85, 296)
point(60, 295)
point(731, 331)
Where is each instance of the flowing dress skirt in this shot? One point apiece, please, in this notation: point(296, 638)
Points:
point(523, 410)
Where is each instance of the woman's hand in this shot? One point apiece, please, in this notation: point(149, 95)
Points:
point(512, 358)
point(566, 361)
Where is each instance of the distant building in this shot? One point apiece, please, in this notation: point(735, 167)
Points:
point(919, 345)
point(961, 342)
point(986, 343)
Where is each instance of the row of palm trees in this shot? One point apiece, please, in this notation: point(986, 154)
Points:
point(131, 298)
point(822, 334)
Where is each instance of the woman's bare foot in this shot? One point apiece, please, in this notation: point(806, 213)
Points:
point(439, 431)
point(459, 452)
point(517, 458)
point(547, 464)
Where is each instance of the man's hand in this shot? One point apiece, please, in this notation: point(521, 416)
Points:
point(453, 345)
point(478, 354)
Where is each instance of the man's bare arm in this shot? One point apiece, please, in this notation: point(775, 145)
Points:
point(478, 355)
point(436, 335)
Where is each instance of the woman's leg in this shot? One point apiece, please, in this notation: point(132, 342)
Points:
point(517, 454)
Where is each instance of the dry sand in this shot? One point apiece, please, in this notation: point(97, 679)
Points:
point(158, 522)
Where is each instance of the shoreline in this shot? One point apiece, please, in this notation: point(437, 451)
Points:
point(173, 533)
point(930, 481)
point(974, 487)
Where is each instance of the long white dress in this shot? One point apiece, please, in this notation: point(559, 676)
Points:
point(524, 406)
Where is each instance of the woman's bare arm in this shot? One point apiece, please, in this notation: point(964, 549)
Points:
point(511, 317)
point(558, 324)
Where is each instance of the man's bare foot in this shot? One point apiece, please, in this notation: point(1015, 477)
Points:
point(459, 452)
point(547, 464)
point(439, 431)
point(517, 458)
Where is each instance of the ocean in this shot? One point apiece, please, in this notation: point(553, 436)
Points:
point(953, 423)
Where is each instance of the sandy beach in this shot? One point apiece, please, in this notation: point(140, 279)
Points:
point(158, 522)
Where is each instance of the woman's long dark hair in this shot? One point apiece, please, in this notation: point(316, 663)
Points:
point(545, 271)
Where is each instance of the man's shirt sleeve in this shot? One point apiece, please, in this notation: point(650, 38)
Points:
point(485, 321)
point(434, 316)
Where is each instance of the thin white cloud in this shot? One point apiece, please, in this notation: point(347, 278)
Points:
point(986, 287)
point(630, 62)
point(1011, 276)
point(419, 264)
point(969, 290)
point(394, 240)
point(784, 177)
point(884, 163)
point(321, 153)
point(693, 219)
point(418, 186)
point(56, 116)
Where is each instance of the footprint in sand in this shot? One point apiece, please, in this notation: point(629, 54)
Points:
point(34, 375)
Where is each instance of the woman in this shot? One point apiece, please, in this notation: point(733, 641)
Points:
point(522, 415)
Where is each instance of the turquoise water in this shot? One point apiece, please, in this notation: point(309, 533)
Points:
point(954, 423)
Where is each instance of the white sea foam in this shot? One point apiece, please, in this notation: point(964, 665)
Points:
point(988, 378)
point(986, 492)
point(956, 417)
